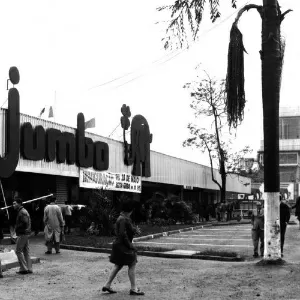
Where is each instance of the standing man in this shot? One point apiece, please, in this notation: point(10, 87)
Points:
point(1, 234)
point(2, 216)
point(258, 223)
point(23, 229)
point(54, 226)
point(284, 212)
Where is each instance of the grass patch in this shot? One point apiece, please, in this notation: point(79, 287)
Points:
point(153, 249)
point(88, 241)
point(212, 252)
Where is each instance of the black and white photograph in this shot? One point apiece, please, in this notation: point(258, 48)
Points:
point(149, 150)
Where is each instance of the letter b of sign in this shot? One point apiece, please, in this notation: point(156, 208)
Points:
point(90, 154)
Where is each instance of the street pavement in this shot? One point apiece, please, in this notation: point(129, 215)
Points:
point(80, 275)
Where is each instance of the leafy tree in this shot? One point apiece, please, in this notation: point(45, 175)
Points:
point(209, 101)
point(189, 12)
point(186, 16)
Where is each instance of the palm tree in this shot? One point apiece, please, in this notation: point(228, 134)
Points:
point(272, 49)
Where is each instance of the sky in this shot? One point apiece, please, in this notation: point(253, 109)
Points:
point(94, 56)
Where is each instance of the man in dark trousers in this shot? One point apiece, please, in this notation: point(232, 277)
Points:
point(2, 216)
point(285, 215)
point(23, 229)
point(258, 223)
point(1, 234)
point(297, 211)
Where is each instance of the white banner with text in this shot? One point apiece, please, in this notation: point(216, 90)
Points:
point(110, 181)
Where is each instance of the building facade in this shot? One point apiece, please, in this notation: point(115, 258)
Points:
point(34, 178)
point(289, 151)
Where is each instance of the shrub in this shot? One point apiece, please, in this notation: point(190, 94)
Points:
point(102, 212)
point(162, 222)
point(80, 218)
point(179, 210)
point(168, 210)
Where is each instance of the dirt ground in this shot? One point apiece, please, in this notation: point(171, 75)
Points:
point(80, 275)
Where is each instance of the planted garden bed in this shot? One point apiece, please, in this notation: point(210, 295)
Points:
point(98, 241)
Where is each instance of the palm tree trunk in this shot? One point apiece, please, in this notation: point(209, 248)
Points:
point(271, 57)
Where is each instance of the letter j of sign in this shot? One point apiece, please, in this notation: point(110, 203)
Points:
point(11, 144)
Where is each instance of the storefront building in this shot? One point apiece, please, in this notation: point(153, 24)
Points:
point(35, 177)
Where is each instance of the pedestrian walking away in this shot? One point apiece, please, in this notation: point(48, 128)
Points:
point(54, 226)
point(258, 232)
point(297, 211)
point(68, 217)
point(284, 211)
point(123, 252)
point(23, 230)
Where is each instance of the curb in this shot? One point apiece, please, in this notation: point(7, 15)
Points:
point(229, 224)
point(87, 249)
point(167, 233)
point(155, 254)
point(15, 264)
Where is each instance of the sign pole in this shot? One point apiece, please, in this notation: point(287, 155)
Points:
point(6, 207)
point(4, 199)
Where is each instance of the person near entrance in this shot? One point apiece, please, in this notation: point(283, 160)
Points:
point(54, 226)
point(258, 223)
point(23, 230)
point(297, 211)
point(67, 214)
point(285, 215)
point(1, 235)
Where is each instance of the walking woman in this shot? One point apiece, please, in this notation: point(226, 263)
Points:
point(123, 251)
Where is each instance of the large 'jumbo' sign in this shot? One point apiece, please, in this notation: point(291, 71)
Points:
point(38, 143)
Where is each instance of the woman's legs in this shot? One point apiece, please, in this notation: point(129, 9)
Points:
point(112, 275)
point(131, 275)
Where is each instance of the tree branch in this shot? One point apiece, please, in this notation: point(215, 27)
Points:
point(246, 8)
point(283, 15)
point(211, 166)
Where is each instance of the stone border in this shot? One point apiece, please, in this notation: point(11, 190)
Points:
point(167, 233)
point(228, 223)
point(15, 264)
